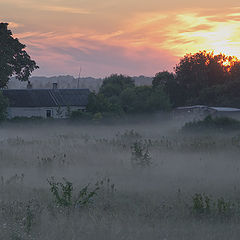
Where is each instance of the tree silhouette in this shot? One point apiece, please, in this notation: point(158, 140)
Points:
point(162, 78)
point(115, 84)
point(167, 81)
point(196, 72)
point(14, 60)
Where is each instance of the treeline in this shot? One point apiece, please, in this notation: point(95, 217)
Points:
point(119, 95)
point(203, 78)
point(200, 78)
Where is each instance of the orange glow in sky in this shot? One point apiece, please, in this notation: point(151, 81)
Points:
point(134, 37)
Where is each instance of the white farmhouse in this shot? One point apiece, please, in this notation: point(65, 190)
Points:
point(45, 103)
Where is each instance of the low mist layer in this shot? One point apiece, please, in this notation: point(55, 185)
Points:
point(120, 181)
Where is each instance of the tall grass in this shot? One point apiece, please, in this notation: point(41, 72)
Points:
point(118, 182)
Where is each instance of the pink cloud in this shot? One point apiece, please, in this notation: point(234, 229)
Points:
point(142, 43)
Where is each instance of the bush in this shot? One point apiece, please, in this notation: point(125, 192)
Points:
point(203, 204)
point(208, 123)
point(80, 115)
point(27, 119)
point(63, 193)
point(3, 107)
point(97, 116)
point(140, 155)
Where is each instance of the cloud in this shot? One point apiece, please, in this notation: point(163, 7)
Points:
point(201, 27)
point(15, 25)
point(187, 31)
point(144, 42)
point(212, 34)
point(42, 6)
point(35, 35)
point(12, 25)
point(64, 9)
point(96, 53)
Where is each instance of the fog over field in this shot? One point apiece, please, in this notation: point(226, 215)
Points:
point(143, 180)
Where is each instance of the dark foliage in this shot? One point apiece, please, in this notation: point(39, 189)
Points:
point(119, 95)
point(3, 107)
point(210, 123)
point(113, 86)
point(14, 60)
point(167, 81)
point(202, 78)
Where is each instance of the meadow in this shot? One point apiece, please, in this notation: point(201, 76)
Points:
point(141, 180)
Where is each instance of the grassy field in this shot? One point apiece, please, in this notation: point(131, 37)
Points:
point(123, 181)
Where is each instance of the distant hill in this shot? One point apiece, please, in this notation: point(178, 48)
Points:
point(143, 81)
point(70, 82)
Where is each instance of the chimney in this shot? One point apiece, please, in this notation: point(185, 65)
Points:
point(29, 85)
point(55, 86)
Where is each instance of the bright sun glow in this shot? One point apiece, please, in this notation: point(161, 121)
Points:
point(222, 41)
point(218, 37)
point(112, 37)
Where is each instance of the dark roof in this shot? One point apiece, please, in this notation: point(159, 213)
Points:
point(192, 107)
point(225, 109)
point(46, 97)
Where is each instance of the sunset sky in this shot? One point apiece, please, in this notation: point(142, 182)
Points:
point(133, 37)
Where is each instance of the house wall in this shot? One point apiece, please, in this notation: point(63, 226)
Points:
point(56, 112)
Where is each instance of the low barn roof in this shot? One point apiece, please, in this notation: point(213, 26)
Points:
point(46, 97)
point(192, 107)
point(225, 109)
point(216, 109)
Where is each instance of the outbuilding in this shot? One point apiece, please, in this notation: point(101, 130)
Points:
point(198, 112)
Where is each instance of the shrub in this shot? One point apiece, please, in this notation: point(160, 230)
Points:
point(63, 193)
point(203, 204)
point(97, 116)
point(3, 107)
point(208, 123)
point(80, 115)
point(140, 155)
point(27, 119)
